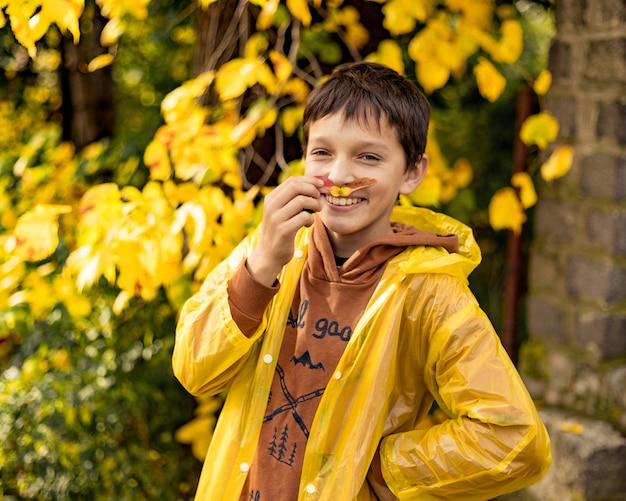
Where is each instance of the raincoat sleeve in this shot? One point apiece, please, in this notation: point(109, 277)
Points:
point(210, 346)
point(493, 441)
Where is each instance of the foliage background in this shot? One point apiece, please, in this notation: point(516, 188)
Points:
point(90, 283)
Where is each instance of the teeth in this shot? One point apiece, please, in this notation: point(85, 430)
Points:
point(343, 200)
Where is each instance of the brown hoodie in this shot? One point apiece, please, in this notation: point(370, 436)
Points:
point(327, 305)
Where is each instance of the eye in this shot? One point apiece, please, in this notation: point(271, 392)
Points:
point(369, 157)
point(319, 152)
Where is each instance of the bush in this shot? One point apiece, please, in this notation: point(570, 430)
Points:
point(88, 409)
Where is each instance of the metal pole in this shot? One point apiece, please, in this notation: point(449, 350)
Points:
point(515, 265)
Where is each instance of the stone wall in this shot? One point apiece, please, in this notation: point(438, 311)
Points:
point(575, 358)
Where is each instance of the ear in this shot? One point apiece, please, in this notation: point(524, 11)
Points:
point(414, 175)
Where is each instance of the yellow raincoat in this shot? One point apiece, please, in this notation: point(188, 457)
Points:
point(422, 335)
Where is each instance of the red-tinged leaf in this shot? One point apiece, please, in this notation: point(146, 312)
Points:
point(346, 189)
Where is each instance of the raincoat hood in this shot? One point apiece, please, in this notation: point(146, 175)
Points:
point(459, 264)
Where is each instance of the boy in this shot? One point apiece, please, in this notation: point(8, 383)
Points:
point(334, 332)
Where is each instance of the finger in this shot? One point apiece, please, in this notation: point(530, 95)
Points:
point(293, 187)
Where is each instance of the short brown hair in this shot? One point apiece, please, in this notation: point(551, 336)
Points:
point(369, 90)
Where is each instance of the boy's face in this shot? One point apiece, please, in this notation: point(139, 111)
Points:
point(346, 151)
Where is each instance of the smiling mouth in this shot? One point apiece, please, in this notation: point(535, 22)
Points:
point(342, 201)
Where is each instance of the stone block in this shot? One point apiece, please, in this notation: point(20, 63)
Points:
point(603, 176)
point(560, 61)
point(556, 221)
point(569, 14)
point(611, 122)
point(543, 271)
point(605, 231)
point(562, 373)
point(589, 462)
point(606, 62)
point(601, 331)
point(615, 395)
point(607, 13)
point(595, 280)
point(545, 319)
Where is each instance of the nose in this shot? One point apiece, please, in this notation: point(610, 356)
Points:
point(340, 171)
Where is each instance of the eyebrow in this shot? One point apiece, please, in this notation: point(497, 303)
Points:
point(362, 144)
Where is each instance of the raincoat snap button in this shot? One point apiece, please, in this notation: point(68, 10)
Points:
point(338, 375)
point(268, 359)
point(310, 488)
point(244, 467)
point(298, 253)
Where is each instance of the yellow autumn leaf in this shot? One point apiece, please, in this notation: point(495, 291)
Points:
point(181, 103)
point(558, 164)
point(37, 231)
point(65, 13)
point(462, 173)
point(119, 8)
point(235, 76)
point(540, 129)
point(101, 61)
point(356, 34)
point(490, 82)
point(27, 31)
point(401, 15)
point(65, 290)
point(111, 32)
point(100, 208)
point(527, 193)
point(260, 116)
point(265, 17)
point(205, 3)
point(432, 75)
point(396, 21)
point(282, 66)
point(297, 88)
point(156, 157)
point(511, 44)
point(478, 13)
point(572, 427)
point(505, 211)
point(198, 433)
point(542, 83)
point(60, 359)
point(388, 53)
point(291, 118)
point(300, 10)
point(428, 193)
point(256, 45)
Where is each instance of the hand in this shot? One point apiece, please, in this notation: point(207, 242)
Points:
point(377, 482)
point(284, 213)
